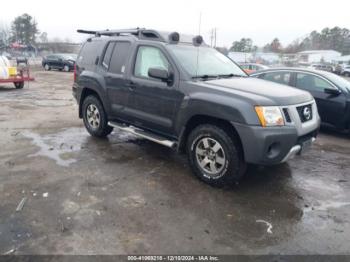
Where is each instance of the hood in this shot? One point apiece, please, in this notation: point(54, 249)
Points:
point(71, 60)
point(262, 92)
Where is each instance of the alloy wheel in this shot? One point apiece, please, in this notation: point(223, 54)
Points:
point(93, 116)
point(210, 156)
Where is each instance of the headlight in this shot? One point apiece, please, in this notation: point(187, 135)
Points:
point(269, 115)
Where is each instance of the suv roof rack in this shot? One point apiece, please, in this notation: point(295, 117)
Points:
point(143, 33)
point(133, 31)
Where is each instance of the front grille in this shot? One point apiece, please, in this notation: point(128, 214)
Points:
point(286, 115)
point(305, 113)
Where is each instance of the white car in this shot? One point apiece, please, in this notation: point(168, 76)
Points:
point(346, 71)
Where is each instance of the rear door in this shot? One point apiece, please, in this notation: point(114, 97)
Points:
point(281, 77)
point(114, 66)
point(331, 107)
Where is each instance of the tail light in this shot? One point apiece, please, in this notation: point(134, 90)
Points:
point(75, 72)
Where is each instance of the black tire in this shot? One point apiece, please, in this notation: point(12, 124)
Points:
point(19, 85)
point(347, 74)
point(232, 169)
point(102, 129)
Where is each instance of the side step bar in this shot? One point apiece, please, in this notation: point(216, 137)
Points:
point(144, 134)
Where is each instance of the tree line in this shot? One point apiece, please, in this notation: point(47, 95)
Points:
point(23, 30)
point(335, 38)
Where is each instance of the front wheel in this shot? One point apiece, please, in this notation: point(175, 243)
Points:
point(215, 156)
point(47, 67)
point(66, 68)
point(95, 117)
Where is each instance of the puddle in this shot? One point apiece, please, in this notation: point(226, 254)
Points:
point(327, 195)
point(320, 185)
point(61, 146)
point(327, 205)
point(58, 146)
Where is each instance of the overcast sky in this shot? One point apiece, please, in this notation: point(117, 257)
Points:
point(261, 20)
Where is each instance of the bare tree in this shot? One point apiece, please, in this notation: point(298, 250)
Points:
point(4, 35)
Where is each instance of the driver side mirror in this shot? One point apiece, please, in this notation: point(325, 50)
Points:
point(332, 91)
point(161, 74)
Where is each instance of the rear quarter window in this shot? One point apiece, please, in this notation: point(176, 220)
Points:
point(89, 52)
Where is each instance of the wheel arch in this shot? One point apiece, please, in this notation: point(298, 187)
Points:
point(197, 120)
point(85, 93)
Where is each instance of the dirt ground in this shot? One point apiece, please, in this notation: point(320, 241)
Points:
point(127, 195)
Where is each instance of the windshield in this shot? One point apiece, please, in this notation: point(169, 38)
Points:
point(204, 61)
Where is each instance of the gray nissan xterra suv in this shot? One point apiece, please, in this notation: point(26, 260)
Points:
point(176, 91)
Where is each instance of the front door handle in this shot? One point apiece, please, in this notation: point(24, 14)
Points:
point(131, 85)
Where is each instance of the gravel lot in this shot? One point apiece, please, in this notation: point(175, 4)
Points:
point(127, 195)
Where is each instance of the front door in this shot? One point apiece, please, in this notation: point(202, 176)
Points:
point(153, 102)
point(330, 107)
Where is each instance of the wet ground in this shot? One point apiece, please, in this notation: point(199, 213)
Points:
point(127, 195)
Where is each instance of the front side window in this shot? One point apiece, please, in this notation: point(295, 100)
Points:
point(201, 61)
point(337, 80)
point(53, 58)
point(149, 57)
point(311, 82)
point(278, 77)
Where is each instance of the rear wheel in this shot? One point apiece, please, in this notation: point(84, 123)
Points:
point(19, 85)
point(66, 68)
point(214, 155)
point(95, 118)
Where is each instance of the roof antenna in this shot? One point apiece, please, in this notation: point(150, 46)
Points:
point(199, 33)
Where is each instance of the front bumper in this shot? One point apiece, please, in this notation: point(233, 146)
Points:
point(295, 150)
point(271, 145)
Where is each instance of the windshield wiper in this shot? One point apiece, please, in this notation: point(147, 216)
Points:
point(205, 77)
point(230, 75)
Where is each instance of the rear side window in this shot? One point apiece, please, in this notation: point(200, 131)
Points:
point(119, 57)
point(108, 54)
point(278, 77)
point(89, 52)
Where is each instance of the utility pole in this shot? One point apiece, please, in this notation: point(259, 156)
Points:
point(215, 29)
point(213, 37)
